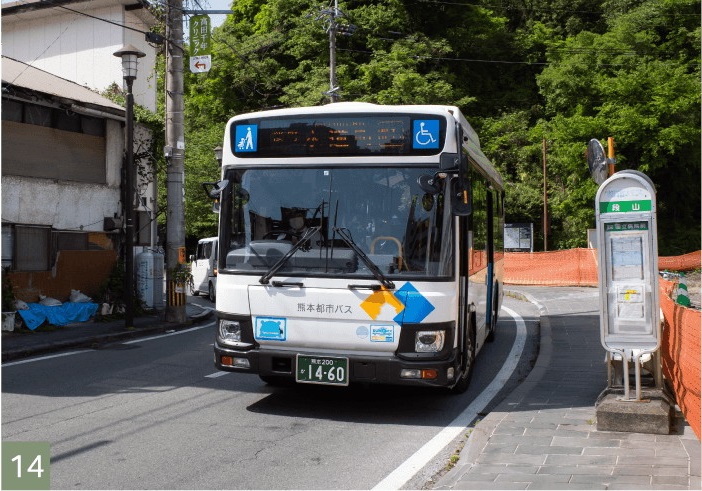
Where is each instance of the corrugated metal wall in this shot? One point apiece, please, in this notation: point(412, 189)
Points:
point(52, 154)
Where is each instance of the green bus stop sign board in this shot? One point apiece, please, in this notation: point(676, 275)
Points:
point(627, 206)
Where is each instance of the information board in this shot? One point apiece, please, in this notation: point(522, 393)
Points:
point(519, 237)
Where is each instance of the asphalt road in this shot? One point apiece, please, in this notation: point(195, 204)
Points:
point(153, 413)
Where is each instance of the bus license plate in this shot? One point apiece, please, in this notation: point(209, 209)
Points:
point(322, 370)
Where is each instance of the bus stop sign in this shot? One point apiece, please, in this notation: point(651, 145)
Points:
point(625, 208)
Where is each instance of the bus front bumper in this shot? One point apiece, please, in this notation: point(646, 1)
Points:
point(364, 369)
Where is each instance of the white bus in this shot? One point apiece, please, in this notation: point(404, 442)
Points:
point(358, 243)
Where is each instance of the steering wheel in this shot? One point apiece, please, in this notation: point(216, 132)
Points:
point(275, 233)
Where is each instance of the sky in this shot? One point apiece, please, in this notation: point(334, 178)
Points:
point(217, 20)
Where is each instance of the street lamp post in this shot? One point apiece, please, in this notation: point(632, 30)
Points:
point(129, 55)
point(218, 154)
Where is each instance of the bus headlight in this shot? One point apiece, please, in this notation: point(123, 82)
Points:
point(230, 331)
point(429, 341)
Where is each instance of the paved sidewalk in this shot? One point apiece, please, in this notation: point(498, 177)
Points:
point(544, 436)
point(16, 345)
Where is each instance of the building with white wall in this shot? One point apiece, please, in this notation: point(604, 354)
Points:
point(63, 143)
point(76, 39)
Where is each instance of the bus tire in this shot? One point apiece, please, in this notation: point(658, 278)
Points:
point(493, 317)
point(464, 378)
point(211, 293)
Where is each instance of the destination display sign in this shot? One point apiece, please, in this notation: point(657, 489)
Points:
point(349, 135)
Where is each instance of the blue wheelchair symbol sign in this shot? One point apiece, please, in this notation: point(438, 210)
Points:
point(246, 138)
point(426, 133)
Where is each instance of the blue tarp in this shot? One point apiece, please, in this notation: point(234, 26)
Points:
point(58, 315)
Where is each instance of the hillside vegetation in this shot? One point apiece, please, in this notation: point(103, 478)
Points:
point(522, 71)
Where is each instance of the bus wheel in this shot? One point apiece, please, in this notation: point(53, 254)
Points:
point(211, 294)
point(493, 318)
point(464, 378)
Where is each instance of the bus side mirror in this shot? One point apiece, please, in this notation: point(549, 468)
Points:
point(460, 197)
point(448, 161)
point(430, 184)
point(213, 190)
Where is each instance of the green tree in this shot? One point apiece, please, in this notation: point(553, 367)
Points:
point(637, 82)
point(521, 72)
point(275, 53)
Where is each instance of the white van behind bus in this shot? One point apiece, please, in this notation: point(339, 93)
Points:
point(203, 266)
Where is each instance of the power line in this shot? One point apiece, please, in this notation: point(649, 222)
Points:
point(477, 60)
point(534, 9)
point(31, 64)
point(149, 36)
point(440, 58)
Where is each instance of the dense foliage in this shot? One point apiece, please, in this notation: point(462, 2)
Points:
point(523, 72)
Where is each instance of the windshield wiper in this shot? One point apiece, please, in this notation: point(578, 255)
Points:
point(346, 237)
point(281, 262)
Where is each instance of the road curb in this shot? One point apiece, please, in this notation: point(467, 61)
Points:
point(484, 429)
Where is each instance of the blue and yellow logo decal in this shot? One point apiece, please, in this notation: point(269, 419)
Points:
point(410, 305)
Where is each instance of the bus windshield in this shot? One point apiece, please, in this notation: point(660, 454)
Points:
point(379, 214)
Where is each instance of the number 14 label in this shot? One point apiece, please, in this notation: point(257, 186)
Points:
point(26, 465)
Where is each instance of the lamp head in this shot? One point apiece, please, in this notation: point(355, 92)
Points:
point(129, 55)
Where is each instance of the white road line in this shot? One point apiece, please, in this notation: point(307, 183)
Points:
point(217, 374)
point(174, 333)
point(48, 357)
point(406, 471)
point(134, 341)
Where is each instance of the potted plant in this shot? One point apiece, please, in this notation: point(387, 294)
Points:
point(8, 303)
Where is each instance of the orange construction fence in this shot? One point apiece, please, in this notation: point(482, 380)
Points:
point(573, 267)
point(680, 353)
point(686, 262)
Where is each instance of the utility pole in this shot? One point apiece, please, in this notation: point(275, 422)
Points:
point(333, 88)
point(175, 154)
point(611, 161)
point(332, 26)
point(543, 152)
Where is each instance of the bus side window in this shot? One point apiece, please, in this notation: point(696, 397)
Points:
point(498, 221)
point(479, 223)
